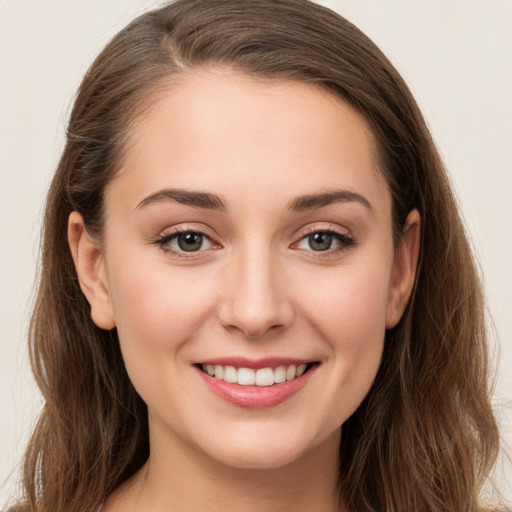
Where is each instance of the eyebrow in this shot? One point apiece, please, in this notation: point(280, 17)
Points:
point(214, 202)
point(197, 199)
point(321, 199)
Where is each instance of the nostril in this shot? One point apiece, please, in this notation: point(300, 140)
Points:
point(255, 310)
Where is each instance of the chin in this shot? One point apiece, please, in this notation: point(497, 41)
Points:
point(246, 458)
point(269, 450)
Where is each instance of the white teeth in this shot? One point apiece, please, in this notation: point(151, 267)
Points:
point(301, 369)
point(230, 374)
point(264, 377)
point(280, 374)
point(291, 372)
point(219, 371)
point(250, 377)
point(246, 376)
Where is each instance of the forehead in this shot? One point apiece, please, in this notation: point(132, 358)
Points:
point(247, 139)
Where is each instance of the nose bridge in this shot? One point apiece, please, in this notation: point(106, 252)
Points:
point(258, 298)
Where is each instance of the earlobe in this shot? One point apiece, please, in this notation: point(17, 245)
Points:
point(403, 274)
point(90, 268)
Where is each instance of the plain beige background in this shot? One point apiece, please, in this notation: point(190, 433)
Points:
point(456, 56)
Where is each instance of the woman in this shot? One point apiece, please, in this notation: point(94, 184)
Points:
point(256, 289)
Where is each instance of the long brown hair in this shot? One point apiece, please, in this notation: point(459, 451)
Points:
point(425, 437)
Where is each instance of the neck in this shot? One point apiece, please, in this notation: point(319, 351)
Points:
point(182, 479)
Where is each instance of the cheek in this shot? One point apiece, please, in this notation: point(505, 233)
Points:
point(349, 306)
point(156, 312)
point(348, 311)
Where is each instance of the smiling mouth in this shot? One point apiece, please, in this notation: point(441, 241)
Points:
point(263, 377)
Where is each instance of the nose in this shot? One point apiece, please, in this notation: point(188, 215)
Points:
point(258, 298)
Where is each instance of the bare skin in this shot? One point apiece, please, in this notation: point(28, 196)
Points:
point(288, 488)
point(269, 273)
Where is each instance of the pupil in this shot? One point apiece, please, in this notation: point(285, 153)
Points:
point(320, 241)
point(190, 241)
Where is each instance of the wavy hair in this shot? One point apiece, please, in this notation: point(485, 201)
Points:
point(425, 437)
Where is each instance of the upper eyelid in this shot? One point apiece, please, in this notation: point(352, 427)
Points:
point(343, 234)
point(298, 235)
point(169, 232)
point(346, 239)
point(164, 239)
point(330, 228)
point(179, 231)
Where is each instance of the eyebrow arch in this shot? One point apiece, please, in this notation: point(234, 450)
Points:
point(319, 200)
point(198, 199)
point(213, 202)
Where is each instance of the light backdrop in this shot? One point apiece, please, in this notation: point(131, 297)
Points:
point(456, 56)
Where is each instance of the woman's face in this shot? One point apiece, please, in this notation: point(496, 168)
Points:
point(248, 233)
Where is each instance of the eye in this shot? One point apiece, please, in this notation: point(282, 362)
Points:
point(189, 242)
point(319, 241)
point(184, 241)
point(325, 240)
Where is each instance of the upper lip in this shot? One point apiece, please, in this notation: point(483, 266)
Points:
point(264, 362)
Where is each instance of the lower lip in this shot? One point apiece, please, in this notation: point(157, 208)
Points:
point(256, 396)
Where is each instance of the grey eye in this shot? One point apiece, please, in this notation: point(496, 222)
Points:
point(190, 242)
point(320, 241)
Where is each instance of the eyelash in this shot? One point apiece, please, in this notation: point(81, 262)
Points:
point(345, 240)
point(164, 240)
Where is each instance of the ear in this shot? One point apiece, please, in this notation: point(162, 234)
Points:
point(90, 268)
point(403, 274)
